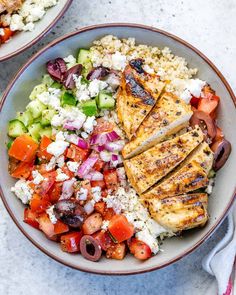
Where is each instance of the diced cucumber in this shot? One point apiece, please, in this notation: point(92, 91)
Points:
point(35, 130)
point(105, 100)
point(25, 117)
point(68, 99)
point(46, 131)
point(9, 144)
point(36, 107)
point(56, 85)
point(16, 128)
point(47, 116)
point(85, 60)
point(83, 56)
point(47, 80)
point(37, 90)
point(89, 108)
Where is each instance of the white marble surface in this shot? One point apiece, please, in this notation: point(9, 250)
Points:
point(211, 27)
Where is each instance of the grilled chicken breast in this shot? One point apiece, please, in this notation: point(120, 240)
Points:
point(180, 212)
point(169, 115)
point(10, 5)
point(137, 95)
point(147, 168)
point(189, 176)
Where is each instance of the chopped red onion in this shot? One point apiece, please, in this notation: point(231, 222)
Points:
point(122, 176)
point(94, 176)
point(114, 160)
point(87, 166)
point(116, 146)
point(112, 136)
point(99, 139)
point(74, 125)
point(73, 138)
point(67, 189)
point(88, 207)
point(82, 143)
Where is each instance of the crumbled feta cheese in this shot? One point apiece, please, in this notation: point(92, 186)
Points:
point(95, 86)
point(96, 193)
point(2, 32)
point(16, 23)
point(84, 135)
point(51, 164)
point(118, 61)
point(61, 176)
point(57, 148)
point(105, 224)
point(148, 69)
point(82, 194)
point(82, 92)
point(37, 177)
point(71, 115)
point(61, 161)
point(50, 98)
point(70, 61)
point(89, 124)
point(51, 215)
point(73, 166)
point(23, 191)
point(210, 186)
point(145, 236)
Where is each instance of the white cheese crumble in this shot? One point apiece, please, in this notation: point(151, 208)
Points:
point(50, 98)
point(23, 191)
point(82, 194)
point(210, 186)
point(82, 92)
point(96, 193)
point(127, 203)
point(89, 124)
point(95, 86)
point(70, 61)
point(61, 176)
point(118, 61)
point(73, 166)
point(37, 177)
point(2, 32)
point(58, 147)
point(51, 215)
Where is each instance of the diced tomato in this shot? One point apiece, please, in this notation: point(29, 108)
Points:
point(31, 218)
point(60, 228)
point(195, 101)
point(92, 224)
point(111, 179)
point(66, 170)
point(77, 154)
point(209, 104)
point(49, 180)
point(39, 204)
point(42, 168)
point(47, 226)
point(99, 183)
point(8, 33)
point(120, 228)
point(104, 239)
point(116, 251)
point(42, 153)
point(23, 170)
point(100, 207)
point(70, 242)
point(23, 148)
point(103, 126)
point(108, 214)
point(98, 166)
point(55, 192)
point(139, 249)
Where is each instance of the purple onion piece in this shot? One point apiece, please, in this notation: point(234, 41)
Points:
point(68, 80)
point(98, 73)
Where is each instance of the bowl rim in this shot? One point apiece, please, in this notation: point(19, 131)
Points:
point(40, 36)
point(77, 32)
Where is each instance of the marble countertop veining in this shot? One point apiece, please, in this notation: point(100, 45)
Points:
point(208, 25)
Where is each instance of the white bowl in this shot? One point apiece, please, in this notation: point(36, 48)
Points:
point(23, 40)
point(16, 98)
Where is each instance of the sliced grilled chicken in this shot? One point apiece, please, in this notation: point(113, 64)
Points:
point(180, 212)
point(137, 95)
point(189, 176)
point(169, 115)
point(10, 5)
point(147, 168)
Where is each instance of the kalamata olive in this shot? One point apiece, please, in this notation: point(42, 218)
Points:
point(70, 212)
point(68, 80)
point(56, 69)
point(222, 150)
point(90, 248)
point(98, 73)
point(205, 122)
